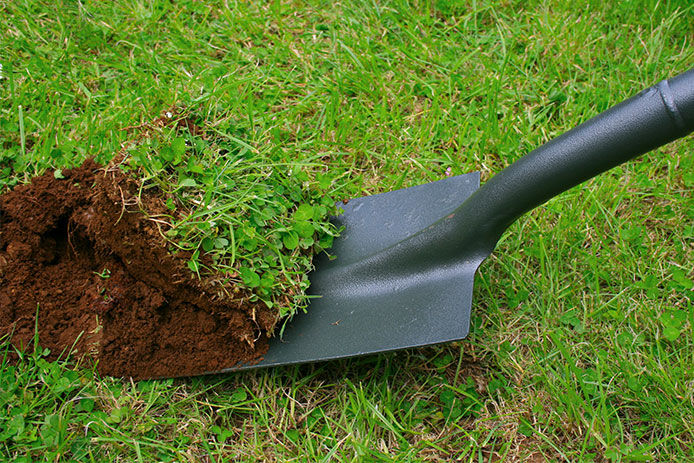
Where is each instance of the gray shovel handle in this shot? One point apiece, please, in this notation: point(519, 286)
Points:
point(654, 117)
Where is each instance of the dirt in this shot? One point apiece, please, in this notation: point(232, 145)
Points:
point(78, 252)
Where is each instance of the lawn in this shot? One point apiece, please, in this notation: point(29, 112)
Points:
point(581, 345)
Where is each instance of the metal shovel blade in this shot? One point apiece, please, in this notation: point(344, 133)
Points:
point(405, 264)
point(379, 318)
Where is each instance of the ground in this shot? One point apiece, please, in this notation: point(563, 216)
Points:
point(581, 346)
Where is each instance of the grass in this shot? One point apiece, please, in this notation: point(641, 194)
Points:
point(246, 217)
point(581, 346)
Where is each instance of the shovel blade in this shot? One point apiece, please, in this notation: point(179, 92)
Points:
point(424, 309)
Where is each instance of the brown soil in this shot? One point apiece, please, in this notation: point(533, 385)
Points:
point(106, 286)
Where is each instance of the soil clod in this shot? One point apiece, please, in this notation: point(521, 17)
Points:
point(104, 284)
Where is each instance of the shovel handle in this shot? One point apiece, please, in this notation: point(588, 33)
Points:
point(654, 117)
point(464, 238)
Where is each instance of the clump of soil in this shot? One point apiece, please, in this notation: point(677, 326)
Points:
point(103, 283)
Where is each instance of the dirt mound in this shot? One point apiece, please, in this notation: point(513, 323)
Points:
point(102, 281)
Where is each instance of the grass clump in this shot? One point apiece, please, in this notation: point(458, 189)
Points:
point(250, 218)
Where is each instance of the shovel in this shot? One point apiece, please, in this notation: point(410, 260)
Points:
point(404, 266)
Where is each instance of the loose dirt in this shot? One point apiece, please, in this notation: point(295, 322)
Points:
point(78, 252)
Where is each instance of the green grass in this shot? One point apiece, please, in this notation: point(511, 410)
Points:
point(581, 346)
point(244, 217)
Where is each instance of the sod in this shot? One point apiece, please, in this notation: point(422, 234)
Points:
point(90, 277)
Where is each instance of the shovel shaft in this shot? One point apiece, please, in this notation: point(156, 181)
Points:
point(654, 117)
point(461, 240)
